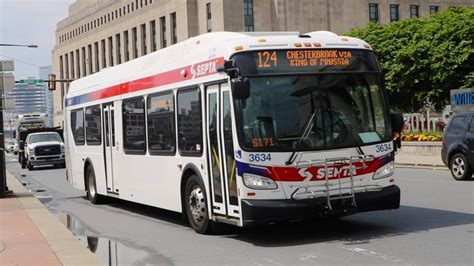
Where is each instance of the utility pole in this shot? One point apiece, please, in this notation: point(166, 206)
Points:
point(5, 67)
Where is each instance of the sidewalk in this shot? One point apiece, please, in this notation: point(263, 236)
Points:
point(30, 235)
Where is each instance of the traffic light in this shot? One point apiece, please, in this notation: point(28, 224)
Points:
point(52, 82)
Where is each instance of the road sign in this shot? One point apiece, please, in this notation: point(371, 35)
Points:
point(30, 81)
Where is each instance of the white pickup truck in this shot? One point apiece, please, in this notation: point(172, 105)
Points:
point(44, 148)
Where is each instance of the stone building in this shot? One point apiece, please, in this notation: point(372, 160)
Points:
point(103, 33)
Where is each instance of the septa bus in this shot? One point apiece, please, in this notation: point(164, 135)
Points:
point(238, 128)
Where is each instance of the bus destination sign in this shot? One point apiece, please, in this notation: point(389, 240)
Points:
point(305, 60)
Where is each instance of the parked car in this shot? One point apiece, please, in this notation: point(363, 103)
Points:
point(458, 145)
point(44, 148)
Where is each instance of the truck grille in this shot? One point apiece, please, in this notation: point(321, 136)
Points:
point(48, 150)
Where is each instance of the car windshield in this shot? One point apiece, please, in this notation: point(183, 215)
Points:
point(312, 112)
point(44, 137)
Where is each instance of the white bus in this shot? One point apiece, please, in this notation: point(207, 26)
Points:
point(237, 128)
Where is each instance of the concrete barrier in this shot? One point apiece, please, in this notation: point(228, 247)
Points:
point(422, 148)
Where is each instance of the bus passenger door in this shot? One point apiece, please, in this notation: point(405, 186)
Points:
point(109, 145)
point(214, 150)
point(228, 162)
point(220, 151)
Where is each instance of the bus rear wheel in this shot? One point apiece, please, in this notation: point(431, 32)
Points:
point(92, 187)
point(195, 202)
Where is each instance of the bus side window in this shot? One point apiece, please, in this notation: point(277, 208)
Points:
point(189, 122)
point(77, 126)
point(161, 126)
point(134, 126)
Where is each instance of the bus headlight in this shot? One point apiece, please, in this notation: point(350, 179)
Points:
point(258, 182)
point(384, 171)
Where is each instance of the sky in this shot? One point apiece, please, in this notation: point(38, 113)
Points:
point(30, 22)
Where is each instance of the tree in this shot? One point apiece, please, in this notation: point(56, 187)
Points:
point(423, 59)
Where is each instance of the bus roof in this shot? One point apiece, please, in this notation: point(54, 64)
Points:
point(183, 60)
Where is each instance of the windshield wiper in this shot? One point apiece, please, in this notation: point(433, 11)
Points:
point(304, 135)
point(356, 143)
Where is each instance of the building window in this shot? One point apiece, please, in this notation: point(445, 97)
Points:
point(134, 43)
point(72, 65)
point(161, 128)
point(163, 32)
point(143, 32)
point(133, 7)
point(125, 46)
point(61, 76)
point(77, 126)
point(394, 13)
point(78, 64)
point(414, 11)
point(434, 9)
point(118, 48)
point(134, 126)
point(209, 17)
point(83, 61)
point(111, 51)
point(93, 125)
point(104, 61)
point(153, 35)
point(248, 16)
point(128, 8)
point(189, 122)
point(89, 58)
point(373, 12)
point(174, 36)
point(96, 51)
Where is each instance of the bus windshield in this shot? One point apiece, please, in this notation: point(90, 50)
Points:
point(312, 112)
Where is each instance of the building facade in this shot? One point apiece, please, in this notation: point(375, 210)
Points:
point(103, 33)
point(29, 98)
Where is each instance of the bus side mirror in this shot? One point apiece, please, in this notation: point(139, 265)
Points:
point(396, 119)
point(397, 122)
point(240, 88)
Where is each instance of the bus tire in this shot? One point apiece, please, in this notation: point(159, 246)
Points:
point(195, 202)
point(92, 195)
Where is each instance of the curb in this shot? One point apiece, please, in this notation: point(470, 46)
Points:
point(422, 166)
point(64, 244)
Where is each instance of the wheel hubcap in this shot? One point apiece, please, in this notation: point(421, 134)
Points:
point(197, 204)
point(459, 167)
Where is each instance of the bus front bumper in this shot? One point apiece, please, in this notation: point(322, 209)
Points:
point(270, 211)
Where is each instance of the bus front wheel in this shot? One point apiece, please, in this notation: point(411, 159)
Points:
point(195, 202)
point(92, 187)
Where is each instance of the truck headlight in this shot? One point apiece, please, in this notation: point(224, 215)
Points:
point(384, 171)
point(62, 149)
point(258, 182)
point(32, 151)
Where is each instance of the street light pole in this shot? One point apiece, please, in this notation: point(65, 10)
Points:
point(3, 176)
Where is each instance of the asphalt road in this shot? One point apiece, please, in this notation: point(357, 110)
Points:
point(434, 225)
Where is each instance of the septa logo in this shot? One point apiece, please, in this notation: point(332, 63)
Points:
point(204, 69)
point(333, 172)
